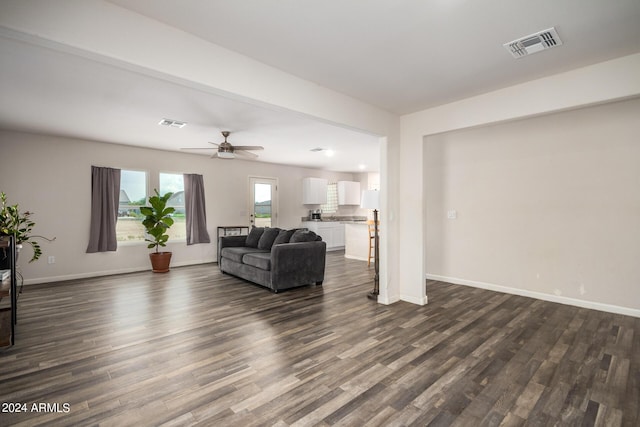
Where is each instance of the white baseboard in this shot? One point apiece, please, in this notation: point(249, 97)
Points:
point(538, 295)
point(104, 273)
point(414, 300)
point(388, 300)
point(358, 258)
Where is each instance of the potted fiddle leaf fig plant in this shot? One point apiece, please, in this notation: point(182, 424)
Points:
point(20, 225)
point(156, 222)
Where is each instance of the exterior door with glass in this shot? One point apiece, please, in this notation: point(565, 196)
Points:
point(263, 199)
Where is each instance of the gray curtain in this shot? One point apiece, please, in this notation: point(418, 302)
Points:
point(105, 196)
point(195, 209)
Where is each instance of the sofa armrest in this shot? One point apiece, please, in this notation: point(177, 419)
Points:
point(295, 264)
point(230, 241)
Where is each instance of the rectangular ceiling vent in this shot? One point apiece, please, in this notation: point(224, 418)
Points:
point(533, 43)
point(172, 123)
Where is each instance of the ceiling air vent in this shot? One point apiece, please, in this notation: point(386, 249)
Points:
point(172, 123)
point(534, 43)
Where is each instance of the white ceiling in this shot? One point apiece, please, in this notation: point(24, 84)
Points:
point(53, 92)
point(407, 55)
point(400, 55)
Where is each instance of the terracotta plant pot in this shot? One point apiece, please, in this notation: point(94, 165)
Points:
point(160, 261)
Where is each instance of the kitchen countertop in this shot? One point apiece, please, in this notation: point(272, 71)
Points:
point(340, 219)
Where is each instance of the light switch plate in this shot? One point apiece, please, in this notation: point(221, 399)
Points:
point(452, 214)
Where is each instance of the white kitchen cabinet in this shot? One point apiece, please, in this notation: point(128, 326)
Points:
point(348, 193)
point(314, 191)
point(331, 232)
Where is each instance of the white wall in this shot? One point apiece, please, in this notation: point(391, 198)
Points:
point(548, 206)
point(599, 83)
point(51, 176)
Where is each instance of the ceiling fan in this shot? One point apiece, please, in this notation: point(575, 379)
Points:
point(228, 151)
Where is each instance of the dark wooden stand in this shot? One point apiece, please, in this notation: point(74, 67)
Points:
point(233, 230)
point(8, 293)
point(376, 256)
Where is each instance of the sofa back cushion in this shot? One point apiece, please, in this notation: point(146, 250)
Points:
point(304, 236)
point(284, 236)
point(254, 237)
point(268, 237)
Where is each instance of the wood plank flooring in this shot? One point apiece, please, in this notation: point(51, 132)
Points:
point(195, 347)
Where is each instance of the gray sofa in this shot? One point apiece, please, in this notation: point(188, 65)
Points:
point(274, 258)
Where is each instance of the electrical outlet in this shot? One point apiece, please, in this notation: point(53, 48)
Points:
point(51, 259)
point(452, 214)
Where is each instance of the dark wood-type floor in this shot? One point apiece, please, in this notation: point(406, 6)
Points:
point(194, 347)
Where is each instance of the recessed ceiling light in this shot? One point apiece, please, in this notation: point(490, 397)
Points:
point(329, 153)
point(362, 167)
point(172, 123)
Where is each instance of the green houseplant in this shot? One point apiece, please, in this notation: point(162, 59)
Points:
point(19, 224)
point(157, 220)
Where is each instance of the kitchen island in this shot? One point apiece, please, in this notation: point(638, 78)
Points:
point(348, 233)
point(332, 232)
point(356, 240)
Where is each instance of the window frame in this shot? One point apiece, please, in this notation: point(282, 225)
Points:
point(132, 242)
point(183, 206)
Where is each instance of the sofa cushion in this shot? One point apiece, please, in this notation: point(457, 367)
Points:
point(303, 236)
point(258, 259)
point(284, 236)
point(267, 238)
point(254, 236)
point(237, 253)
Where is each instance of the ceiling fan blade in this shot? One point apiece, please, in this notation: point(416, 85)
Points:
point(243, 153)
point(248, 147)
point(215, 147)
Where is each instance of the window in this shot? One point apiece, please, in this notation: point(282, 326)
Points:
point(332, 199)
point(133, 194)
point(174, 182)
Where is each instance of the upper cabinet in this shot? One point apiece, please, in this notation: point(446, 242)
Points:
point(348, 193)
point(314, 191)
